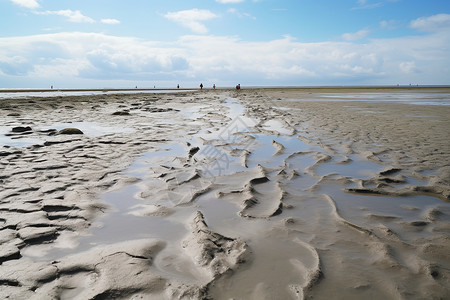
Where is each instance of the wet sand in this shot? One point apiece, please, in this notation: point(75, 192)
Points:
point(251, 194)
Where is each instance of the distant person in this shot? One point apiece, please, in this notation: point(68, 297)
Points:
point(201, 86)
point(51, 87)
point(178, 86)
point(214, 86)
point(238, 87)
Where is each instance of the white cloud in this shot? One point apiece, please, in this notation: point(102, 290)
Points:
point(87, 55)
point(73, 15)
point(192, 18)
point(76, 16)
point(384, 24)
point(90, 57)
point(110, 21)
point(236, 12)
point(389, 24)
point(433, 23)
point(26, 3)
point(371, 4)
point(356, 35)
point(408, 67)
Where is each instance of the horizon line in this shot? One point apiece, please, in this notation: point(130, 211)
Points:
point(18, 90)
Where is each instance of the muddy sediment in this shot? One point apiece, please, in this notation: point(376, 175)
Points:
point(256, 194)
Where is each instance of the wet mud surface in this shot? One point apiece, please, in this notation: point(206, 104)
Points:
point(223, 195)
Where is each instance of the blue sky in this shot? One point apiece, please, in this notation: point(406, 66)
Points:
point(112, 43)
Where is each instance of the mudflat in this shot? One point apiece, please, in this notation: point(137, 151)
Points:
point(224, 194)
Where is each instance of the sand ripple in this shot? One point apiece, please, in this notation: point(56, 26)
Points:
point(212, 195)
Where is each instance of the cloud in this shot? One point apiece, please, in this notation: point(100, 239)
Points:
point(356, 35)
point(408, 67)
point(284, 60)
point(389, 24)
point(88, 56)
point(73, 15)
point(15, 65)
point(91, 57)
point(76, 16)
point(364, 4)
point(370, 4)
point(110, 21)
point(437, 22)
point(26, 3)
point(236, 12)
point(192, 19)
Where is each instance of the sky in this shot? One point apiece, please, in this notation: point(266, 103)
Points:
point(162, 43)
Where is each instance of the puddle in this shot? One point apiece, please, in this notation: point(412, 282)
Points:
point(91, 129)
point(418, 116)
point(120, 224)
point(415, 98)
point(220, 156)
point(165, 155)
point(429, 172)
point(357, 207)
point(193, 112)
point(219, 159)
point(411, 180)
point(264, 152)
point(275, 125)
point(357, 168)
point(217, 162)
point(240, 123)
point(122, 220)
point(360, 110)
point(16, 140)
point(286, 108)
point(5, 94)
point(117, 225)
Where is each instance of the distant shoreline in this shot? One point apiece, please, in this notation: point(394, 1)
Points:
point(310, 88)
point(25, 90)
